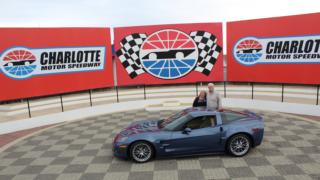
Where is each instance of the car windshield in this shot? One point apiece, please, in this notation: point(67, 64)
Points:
point(173, 121)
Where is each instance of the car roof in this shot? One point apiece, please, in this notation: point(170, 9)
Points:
point(203, 111)
point(200, 111)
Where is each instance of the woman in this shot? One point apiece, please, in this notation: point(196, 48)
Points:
point(201, 100)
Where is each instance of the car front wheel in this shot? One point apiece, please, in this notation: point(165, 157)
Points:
point(239, 145)
point(141, 152)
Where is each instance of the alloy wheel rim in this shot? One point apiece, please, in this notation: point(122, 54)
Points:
point(239, 145)
point(141, 152)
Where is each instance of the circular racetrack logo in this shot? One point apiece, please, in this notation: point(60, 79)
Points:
point(247, 51)
point(169, 54)
point(18, 63)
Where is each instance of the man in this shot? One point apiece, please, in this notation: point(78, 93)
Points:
point(213, 98)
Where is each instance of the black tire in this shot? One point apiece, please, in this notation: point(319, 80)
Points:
point(239, 145)
point(141, 152)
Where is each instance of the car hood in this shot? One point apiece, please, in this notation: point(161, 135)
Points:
point(141, 127)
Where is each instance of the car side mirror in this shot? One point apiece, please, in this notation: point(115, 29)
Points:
point(186, 131)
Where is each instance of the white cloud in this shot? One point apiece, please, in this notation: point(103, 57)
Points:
point(112, 13)
point(141, 12)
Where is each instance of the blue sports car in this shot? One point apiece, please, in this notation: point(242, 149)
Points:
point(192, 131)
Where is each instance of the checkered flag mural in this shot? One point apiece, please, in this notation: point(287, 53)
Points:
point(129, 54)
point(208, 49)
point(206, 43)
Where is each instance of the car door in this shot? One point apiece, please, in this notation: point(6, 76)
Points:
point(204, 137)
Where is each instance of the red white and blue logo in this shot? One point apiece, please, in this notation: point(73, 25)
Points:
point(248, 51)
point(19, 63)
point(168, 53)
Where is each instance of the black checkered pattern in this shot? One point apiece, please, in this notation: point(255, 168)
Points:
point(129, 54)
point(208, 50)
point(82, 150)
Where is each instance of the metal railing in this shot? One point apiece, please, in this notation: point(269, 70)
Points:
point(196, 87)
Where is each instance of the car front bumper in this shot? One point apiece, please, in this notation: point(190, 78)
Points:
point(120, 150)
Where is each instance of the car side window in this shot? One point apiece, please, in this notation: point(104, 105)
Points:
point(201, 122)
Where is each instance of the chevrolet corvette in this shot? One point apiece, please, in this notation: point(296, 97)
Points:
point(192, 131)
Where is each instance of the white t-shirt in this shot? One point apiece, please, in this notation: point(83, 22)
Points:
point(213, 100)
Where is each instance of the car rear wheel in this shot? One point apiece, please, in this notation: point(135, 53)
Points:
point(239, 145)
point(141, 152)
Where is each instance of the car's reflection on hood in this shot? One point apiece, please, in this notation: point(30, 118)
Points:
point(141, 127)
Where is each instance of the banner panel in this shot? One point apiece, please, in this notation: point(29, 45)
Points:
point(44, 61)
point(169, 54)
point(280, 50)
